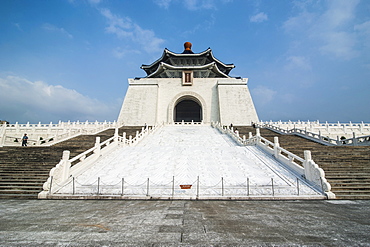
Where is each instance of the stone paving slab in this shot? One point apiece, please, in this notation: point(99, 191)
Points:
point(184, 223)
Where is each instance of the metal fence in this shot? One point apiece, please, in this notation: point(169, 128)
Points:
point(195, 189)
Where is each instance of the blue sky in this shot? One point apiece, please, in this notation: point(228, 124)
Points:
point(70, 59)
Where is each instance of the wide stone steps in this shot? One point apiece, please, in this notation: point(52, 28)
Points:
point(22, 195)
point(358, 196)
point(347, 167)
point(20, 183)
point(352, 183)
point(353, 191)
point(11, 187)
point(23, 170)
point(31, 192)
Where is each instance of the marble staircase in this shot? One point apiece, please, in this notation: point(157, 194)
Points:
point(23, 170)
point(347, 168)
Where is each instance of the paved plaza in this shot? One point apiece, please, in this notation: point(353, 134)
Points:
point(184, 223)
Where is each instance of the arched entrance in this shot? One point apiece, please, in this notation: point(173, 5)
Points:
point(188, 110)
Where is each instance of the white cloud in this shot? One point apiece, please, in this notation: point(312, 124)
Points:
point(260, 17)
point(263, 95)
point(120, 52)
point(340, 44)
point(363, 31)
point(296, 23)
point(199, 4)
point(39, 101)
point(163, 3)
point(94, 1)
point(329, 30)
point(52, 28)
point(339, 13)
point(125, 28)
point(192, 5)
point(18, 26)
point(298, 62)
point(363, 28)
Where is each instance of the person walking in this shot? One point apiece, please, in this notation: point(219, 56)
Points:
point(24, 140)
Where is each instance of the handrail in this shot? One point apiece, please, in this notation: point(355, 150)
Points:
point(306, 167)
point(50, 134)
point(70, 167)
point(317, 137)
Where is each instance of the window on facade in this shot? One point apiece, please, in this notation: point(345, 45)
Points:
point(187, 78)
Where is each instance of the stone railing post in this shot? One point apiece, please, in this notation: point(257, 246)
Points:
point(97, 146)
point(276, 147)
point(258, 132)
point(2, 135)
point(116, 135)
point(49, 129)
point(124, 138)
point(354, 140)
point(258, 135)
point(38, 141)
point(316, 175)
point(17, 127)
point(338, 142)
point(65, 164)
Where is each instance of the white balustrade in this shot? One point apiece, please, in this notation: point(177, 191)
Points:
point(305, 168)
point(49, 134)
point(68, 168)
point(325, 133)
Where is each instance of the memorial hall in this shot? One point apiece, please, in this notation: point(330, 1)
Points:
point(188, 87)
point(187, 130)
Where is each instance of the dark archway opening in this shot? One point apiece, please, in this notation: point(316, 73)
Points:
point(188, 110)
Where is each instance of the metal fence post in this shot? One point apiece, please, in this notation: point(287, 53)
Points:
point(297, 186)
point(173, 186)
point(247, 186)
point(98, 184)
point(51, 185)
point(272, 186)
point(222, 186)
point(123, 184)
point(197, 187)
point(147, 188)
point(73, 185)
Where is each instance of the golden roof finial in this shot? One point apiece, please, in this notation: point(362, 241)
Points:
point(187, 46)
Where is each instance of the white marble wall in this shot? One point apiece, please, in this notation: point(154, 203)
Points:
point(236, 104)
point(140, 105)
point(153, 100)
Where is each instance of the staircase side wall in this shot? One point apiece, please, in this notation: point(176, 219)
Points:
point(140, 104)
point(236, 104)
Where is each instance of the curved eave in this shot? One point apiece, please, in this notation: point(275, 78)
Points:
point(162, 66)
point(229, 66)
point(167, 52)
